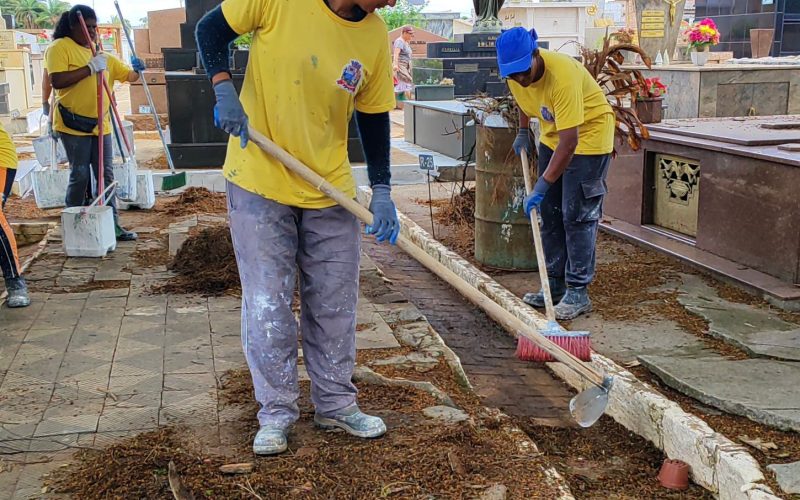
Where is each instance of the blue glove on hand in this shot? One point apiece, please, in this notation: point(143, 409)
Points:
point(523, 141)
point(385, 225)
point(228, 112)
point(137, 64)
point(534, 200)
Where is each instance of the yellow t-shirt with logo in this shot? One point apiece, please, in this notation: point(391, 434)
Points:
point(308, 70)
point(566, 97)
point(8, 153)
point(66, 55)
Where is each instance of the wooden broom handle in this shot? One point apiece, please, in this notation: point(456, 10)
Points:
point(537, 241)
point(494, 310)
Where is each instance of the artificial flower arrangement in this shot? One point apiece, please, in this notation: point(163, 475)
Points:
point(703, 34)
point(654, 89)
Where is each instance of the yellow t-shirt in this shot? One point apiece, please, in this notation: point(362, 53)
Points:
point(308, 70)
point(66, 55)
point(566, 97)
point(8, 153)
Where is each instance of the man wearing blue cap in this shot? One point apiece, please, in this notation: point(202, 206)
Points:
point(577, 138)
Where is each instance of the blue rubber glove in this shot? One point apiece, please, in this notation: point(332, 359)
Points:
point(228, 112)
point(137, 64)
point(534, 200)
point(523, 141)
point(385, 225)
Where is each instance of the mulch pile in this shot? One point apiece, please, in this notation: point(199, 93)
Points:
point(606, 461)
point(196, 200)
point(25, 209)
point(416, 459)
point(205, 264)
point(457, 215)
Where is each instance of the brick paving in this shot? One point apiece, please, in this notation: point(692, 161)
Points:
point(518, 388)
point(86, 369)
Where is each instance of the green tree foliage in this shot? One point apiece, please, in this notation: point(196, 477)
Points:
point(401, 14)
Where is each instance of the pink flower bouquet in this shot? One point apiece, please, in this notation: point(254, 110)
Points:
point(703, 34)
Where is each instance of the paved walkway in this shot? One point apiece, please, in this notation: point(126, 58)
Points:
point(85, 369)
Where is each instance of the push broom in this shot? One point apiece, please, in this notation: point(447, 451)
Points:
point(577, 343)
point(587, 407)
point(176, 179)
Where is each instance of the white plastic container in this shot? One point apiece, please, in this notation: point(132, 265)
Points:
point(50, 187)
point(125, 175)
point(145, 192)
point(89, 231)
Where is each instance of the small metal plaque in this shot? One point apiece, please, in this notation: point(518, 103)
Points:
point(466, 68)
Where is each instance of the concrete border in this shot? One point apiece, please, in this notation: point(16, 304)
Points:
point(717, 463)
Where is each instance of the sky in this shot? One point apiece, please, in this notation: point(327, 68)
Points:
point(133, 10)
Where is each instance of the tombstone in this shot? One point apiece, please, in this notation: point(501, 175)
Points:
point(659, 23)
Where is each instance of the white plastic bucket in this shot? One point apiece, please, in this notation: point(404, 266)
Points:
point(125, 175)
point(128, 126)
point(145, 192)
point(50, 187)
point(89, 231)
point(43, 148)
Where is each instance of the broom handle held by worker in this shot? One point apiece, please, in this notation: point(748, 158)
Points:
point(494, 310)
point(99, 58)
point(537, 240)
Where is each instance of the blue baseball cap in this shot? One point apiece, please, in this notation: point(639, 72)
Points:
point(515, 48)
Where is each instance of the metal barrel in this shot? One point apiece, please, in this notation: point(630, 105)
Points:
point(503, 237)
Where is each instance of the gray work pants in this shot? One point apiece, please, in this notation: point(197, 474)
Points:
point(272, 241)
point(571, 211)
point(82, 153)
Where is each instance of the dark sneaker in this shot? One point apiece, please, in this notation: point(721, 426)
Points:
point(124, 235)
point(557, 289)
point(575, 302)
point(17, 293)
point(354, 422)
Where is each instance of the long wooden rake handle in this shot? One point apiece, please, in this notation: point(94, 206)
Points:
point(537, 241)
point(494, 310)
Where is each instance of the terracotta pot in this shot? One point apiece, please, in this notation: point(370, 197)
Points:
point(674, 475)
point(761, 42)
point(650, 110)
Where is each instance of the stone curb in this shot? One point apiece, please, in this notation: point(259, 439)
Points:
point(525, 445)
point(717, 463)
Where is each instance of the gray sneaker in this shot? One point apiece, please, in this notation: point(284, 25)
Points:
point(575, 302)
point(270, 440)
point(17, 293)
point(557, 289)
point(354, 422)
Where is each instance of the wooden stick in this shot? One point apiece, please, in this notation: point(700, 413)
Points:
point(494, 310)
point(537, 241)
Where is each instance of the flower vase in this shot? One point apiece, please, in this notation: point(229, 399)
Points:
point(649, 109)
point(700, 56)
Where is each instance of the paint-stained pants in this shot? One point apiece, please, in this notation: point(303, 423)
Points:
point(272, 241)
point(571, 212)
point(9, 259)
point(82, 153)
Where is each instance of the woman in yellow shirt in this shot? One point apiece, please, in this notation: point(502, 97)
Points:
point(577, 138)
point(73, 70)
point(9, 259)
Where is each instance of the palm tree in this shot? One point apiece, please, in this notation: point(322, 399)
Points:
point(28, 12)
point(52, 10)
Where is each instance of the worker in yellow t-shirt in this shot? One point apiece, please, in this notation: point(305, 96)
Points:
point(73, 74)
point(313, 63)
point(9, 259)
point(576, 141)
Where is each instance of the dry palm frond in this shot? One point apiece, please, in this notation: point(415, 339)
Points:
point(605, 65)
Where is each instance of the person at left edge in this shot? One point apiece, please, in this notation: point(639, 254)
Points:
point(312, 65)
point(9, 258)
point(73, 74)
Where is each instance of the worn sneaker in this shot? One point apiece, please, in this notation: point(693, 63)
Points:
point(575, 302)
point(270, 440)
point(125, 235)
point(557, 289)
point(353, 421)
point(17, 293)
